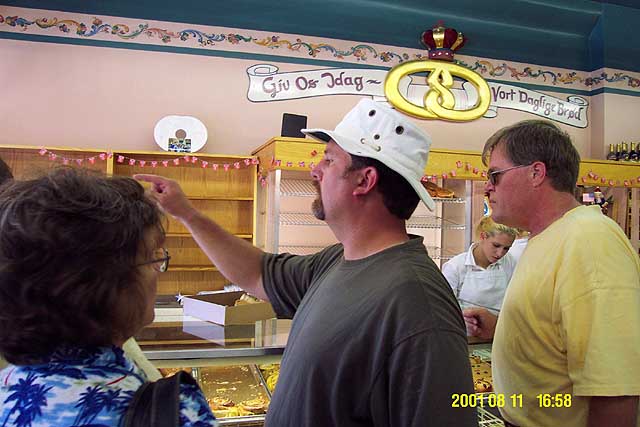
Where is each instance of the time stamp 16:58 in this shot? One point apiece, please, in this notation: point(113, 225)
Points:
point(499, 400)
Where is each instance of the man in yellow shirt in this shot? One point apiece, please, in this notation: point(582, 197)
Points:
point(566, 349)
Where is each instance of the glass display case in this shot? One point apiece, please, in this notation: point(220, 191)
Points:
point(237, 366)
point(291, 227)
point(273, 211)
point(285, 159)
point(285, 223)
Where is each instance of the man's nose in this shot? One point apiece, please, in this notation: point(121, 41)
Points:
point(316, 173)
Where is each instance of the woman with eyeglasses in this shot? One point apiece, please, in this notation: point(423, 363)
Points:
point(80, 256)
point(479, 277)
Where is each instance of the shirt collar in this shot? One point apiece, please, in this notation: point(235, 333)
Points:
point(89, 356)
point(471, 261)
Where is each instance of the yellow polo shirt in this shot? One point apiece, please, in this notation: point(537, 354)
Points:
point(570, 322)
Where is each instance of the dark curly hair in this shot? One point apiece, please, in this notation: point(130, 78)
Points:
point(398, 195)
point(69, 242)
point(5, 172)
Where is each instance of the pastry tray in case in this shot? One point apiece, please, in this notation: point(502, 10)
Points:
point(230, 390)
point(487, 419)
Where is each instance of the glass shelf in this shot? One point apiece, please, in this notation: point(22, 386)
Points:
point(300, 218)
point(449, 200)
point(300, 249)
point(487, 419)
point(432, 221)
point(305, 188)
point(437, 253)
point(434, 251)
point(427, 221)
point(297, 188)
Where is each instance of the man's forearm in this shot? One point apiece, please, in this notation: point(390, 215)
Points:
point(238, 260)
point(619, 411)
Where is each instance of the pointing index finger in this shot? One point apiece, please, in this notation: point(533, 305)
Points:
point(159, 183)
point(155, 179)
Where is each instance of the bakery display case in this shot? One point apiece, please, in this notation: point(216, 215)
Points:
point(615, 186)
point(291, 227)
point(238, 368)
point(237, 365)
point(284, 224)
point(284, 221)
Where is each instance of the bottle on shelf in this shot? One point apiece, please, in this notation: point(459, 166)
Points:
point(634, 156)
point(612, 155)
point(618, 151)
point(623, 155)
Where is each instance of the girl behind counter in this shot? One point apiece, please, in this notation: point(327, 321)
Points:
point(479, 277)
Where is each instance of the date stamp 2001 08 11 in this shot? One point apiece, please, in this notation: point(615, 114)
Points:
point(499, 400)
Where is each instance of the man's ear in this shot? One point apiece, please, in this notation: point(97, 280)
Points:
point(539, 173)
point(366, 180)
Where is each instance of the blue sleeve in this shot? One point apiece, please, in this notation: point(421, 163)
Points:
point(194, 409)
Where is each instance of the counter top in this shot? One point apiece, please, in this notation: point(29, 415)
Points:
point(185, 337)
point(174, 336)
point(477, 340)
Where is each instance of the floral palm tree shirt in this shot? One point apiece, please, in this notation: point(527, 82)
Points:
point(84, 387)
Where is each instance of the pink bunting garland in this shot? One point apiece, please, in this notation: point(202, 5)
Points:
point(142, 163)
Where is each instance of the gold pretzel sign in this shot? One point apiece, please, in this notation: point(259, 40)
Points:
point(439, 101)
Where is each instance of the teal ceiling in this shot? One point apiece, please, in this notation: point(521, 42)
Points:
point(576, 34)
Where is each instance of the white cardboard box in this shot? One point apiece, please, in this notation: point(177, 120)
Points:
point(220, 334)
point(219, 308)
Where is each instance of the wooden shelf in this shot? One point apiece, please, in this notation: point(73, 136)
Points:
point(191, 268)
point(226, 196)
point(242, 236)
point(297, 154)
point(173, 342)
point(178, 155)
point(221, 198)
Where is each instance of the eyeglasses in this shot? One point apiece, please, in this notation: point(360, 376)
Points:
point(492, 176)
point(160, 261)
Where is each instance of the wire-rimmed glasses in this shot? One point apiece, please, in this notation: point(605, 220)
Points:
point(160, 261)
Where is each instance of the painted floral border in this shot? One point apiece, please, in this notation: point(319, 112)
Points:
point(364, 53)
point(593, 80)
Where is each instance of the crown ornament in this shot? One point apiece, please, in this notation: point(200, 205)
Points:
point(441, 42)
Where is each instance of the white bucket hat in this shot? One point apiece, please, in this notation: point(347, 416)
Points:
point(377, 131)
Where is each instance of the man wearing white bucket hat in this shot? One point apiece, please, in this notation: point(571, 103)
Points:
point(377, 337)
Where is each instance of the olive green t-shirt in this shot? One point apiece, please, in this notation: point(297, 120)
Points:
point(378, 341)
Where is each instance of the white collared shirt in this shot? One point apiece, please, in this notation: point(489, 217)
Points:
point(475, 286)
point(518, 247)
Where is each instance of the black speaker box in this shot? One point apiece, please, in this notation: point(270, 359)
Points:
point(291, 125)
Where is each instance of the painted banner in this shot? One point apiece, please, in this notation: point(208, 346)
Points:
point(266, 84)
point(572, 111)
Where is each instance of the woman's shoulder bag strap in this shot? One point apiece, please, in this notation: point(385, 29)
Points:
point(157, 404)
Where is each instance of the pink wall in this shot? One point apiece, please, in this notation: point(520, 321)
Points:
point(620, 120)
point(81, 96)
